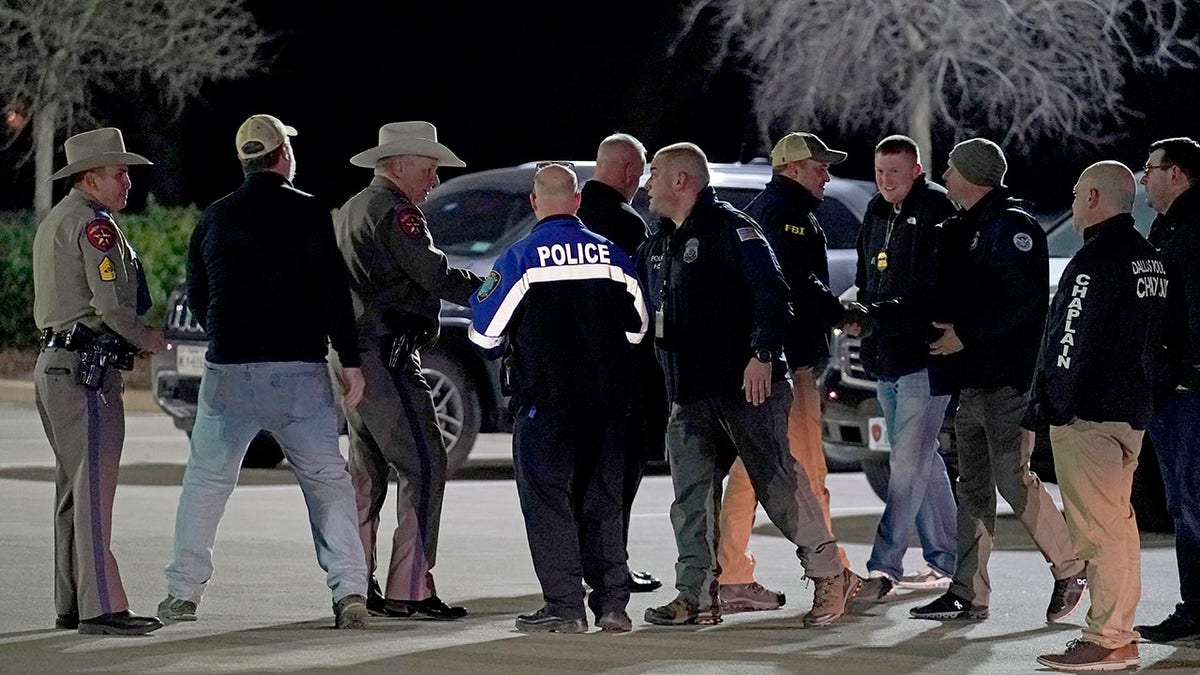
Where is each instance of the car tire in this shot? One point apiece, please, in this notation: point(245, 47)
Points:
point(263, 453)
point(456, 402)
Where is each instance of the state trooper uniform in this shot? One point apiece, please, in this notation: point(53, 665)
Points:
point(397, 279)
point(90, 297)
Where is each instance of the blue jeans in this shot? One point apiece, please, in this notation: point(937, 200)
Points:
point(919, 492)
point(1175, 432)
point(294, 402)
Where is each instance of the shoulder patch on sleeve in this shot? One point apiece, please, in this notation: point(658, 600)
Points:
point(410, 222)
point(748, 233)
point(108, 271)
point(101, 235)
point(1023, 242)
point(490, 283)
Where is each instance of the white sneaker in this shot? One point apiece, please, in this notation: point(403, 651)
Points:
point(926, 579)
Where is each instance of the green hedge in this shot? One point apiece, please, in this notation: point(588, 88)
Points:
point(159, 235)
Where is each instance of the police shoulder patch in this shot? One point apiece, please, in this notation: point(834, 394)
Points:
point(108, 271)
point(410, 222)
point(748, 233)
point(101, 234)
point(1023, 242)
point(490, 283)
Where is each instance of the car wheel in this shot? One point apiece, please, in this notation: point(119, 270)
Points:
point(264, 452)
point(456, 403)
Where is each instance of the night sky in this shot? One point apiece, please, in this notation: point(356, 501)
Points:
point(506, 83)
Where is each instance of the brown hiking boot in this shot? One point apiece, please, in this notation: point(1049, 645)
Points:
point(831, 597)
point(680, 611)
point(350, 612)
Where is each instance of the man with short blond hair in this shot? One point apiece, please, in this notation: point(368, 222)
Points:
point(721, 319)
point(1093, 388)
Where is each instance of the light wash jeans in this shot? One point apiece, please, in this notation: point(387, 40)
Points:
point(919, 492)
point(293, 401)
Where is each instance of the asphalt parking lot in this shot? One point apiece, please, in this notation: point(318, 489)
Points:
point(267, 608)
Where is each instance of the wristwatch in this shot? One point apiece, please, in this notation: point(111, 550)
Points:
point(764, 354)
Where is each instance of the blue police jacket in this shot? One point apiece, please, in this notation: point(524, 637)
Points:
point(565, 306)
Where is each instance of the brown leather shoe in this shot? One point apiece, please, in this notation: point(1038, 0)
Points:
point(1087, 656)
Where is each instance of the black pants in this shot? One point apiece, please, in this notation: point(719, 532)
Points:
point(569, 467)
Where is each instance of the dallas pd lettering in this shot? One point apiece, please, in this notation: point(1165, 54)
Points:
point(577, 253)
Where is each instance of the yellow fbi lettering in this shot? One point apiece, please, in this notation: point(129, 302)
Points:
point(577, 253)
point(108, 271)
point(1074, 309)
point(793, 229)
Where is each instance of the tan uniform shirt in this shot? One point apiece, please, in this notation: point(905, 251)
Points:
point(85, 271)
point(392, 260)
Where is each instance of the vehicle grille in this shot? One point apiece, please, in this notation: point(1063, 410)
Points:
point(180, 320)
point(849, 356)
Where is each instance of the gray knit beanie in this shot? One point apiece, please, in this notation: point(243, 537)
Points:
point(980, 161)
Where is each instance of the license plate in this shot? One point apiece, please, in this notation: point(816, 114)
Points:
point(189, 360)
point(877, 436)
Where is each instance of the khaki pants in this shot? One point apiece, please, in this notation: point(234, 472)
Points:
point(738, 506)
point(1095, 462)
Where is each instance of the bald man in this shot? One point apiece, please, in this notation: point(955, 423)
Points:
point(1093, 388)
point(565, 307)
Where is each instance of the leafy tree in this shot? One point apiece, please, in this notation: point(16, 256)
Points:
point(56, 56)
point(1019, 70)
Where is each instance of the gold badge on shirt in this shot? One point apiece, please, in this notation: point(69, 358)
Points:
point(881, 261)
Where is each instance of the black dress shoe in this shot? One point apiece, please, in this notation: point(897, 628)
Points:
point(119, 623)
point(376, 605)
point(67, 621)
point(643, 582)
point(429, 608)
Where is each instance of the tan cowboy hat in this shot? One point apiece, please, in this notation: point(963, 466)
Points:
point(94, 149)
point(407, 138)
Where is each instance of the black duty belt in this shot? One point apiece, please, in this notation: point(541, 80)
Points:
point(69, 339)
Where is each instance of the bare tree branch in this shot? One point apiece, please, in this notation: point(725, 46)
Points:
point(1019, 70)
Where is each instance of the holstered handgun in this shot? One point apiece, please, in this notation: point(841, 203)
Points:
point(98, 350)
point(407, 332)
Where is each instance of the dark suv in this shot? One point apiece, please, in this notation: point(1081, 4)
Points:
point(473, 218)
point(853, 420)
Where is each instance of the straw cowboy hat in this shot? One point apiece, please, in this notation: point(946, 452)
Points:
point(94, 149)
point(407, 138)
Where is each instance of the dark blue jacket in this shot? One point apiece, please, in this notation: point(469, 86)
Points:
point(1096, 360)
point(785, 212)
point(1176, 235)
point(566, 305)
point(993, 273)
point(721, 295)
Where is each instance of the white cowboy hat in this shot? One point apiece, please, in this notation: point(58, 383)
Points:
point(407, 138)
point(94, 149)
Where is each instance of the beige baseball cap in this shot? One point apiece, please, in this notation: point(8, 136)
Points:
point(800, 145)
point(261, 134)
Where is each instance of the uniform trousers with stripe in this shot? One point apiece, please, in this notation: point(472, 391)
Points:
point(395, 429)
point(86, 430)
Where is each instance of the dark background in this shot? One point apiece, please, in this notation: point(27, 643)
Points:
point(507, 83)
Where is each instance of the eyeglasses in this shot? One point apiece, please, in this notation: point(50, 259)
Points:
point(1150, 167)
point(563, 163)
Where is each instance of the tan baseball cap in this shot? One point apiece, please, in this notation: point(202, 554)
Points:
point(261, 134)
point(800, 145)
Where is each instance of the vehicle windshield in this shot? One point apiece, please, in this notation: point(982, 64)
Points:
point(1064, 241)
point(477, 223)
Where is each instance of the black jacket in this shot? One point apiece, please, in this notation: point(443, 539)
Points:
point(721, 296)
point(265, 278)
point(897, 277)
point(784, 211)
point(992, 285)
point(604, 211)
point(1096, 361)
point(1176, 235)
